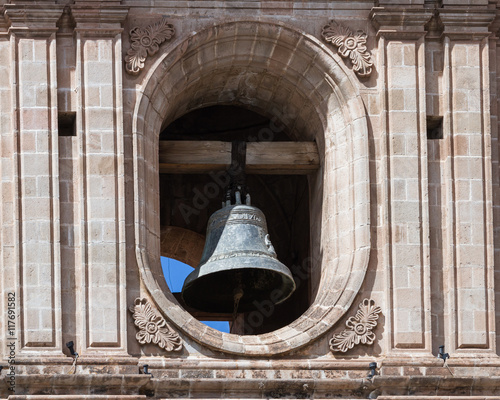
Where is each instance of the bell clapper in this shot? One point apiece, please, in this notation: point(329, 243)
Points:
point(238, 294)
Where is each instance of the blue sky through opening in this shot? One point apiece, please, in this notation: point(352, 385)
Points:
point(175, 273)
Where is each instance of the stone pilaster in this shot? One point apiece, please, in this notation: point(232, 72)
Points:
point(494, 47)
point(7, 220)
point(102, 322)
point(467, 183)
point(401, 44)
point(30, 185)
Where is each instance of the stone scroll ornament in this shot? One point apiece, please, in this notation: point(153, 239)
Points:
point(144, 42)
point(359, 328)
point(352, 46)
point(153, 328)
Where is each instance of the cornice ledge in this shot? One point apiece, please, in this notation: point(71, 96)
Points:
point(468, 24)
point(99, 20)
point(32, 19)
point(400, 22)
point(94, 381)
point(494, 27)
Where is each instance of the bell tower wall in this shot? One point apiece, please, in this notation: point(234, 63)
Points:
point(390, 111)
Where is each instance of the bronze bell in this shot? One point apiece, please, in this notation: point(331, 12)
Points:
point(238, 267)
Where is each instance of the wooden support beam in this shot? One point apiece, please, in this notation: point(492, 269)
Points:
point(193, 157)
point(296, 158)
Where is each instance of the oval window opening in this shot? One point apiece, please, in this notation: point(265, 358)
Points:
point(326, 109)
point(190, 194)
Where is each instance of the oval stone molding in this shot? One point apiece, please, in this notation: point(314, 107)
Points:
point(318, 99)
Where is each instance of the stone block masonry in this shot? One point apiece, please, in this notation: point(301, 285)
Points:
point(403, 195)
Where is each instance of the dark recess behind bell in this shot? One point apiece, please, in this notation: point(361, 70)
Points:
point(224, 123)
point(284, 199)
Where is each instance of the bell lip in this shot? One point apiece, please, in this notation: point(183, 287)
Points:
point(278, 268)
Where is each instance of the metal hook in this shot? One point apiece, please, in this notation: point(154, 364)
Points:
point(442, 355)
point(373, 370)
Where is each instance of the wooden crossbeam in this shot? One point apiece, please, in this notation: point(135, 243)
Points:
point(193, 157)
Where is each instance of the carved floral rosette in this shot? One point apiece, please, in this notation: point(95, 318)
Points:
point(153, 328)
point(352, 46)
point(359, 328)
point(144, 42)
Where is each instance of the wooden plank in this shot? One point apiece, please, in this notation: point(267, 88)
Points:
point(193, 157)
point(297, 158)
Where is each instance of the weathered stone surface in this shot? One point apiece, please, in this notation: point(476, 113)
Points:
point(404, 209)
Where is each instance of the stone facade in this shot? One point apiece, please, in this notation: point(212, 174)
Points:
point(401, 100)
